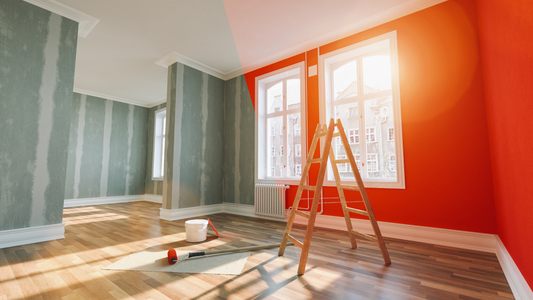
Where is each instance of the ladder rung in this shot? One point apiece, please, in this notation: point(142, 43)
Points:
point(322, 134)
point(315, 160)
point(363, 235)
point(342, 161)
point(336, 134)
point(303, 214)
point(357, 211)
point(295, 241)
point(349, 187)
point(308, 187)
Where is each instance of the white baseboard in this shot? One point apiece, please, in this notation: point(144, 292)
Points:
point(102, 200)
point(444, 237)
point(153, 198)
point(190, 212)
point(30, 235)
point(517, 282)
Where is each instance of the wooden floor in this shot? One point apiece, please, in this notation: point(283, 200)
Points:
point(96, 236)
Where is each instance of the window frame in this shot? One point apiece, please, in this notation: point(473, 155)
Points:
point(261, 163)
point(159, 160)
point(327, 62)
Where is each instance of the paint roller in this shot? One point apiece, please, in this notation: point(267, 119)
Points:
point(177, 256)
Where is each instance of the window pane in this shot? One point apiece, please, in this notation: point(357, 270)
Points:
point(294, 139)
point(275, 98)
point(378, 121)
point(348, 114)
point(293, 93)
point(376, 73)
point(345, 81)
point(274, 148)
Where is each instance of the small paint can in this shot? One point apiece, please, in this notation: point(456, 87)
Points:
point(196, 230)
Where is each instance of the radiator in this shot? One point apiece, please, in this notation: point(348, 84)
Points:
point(270, 200)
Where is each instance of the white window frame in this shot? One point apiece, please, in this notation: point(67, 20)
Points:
point(326, 103)
point(158, 157)
point(261, 162)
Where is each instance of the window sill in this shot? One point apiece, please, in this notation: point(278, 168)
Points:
point(157, 178)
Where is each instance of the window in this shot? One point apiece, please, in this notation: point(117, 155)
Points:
point(352, 113)
point(298, 169)
point(372, 160)
point(344, 167)
point(297, 150)
point(280, 105)
point(353, 136)
point(371, 135)
point(392, 163)
point(359, 85)
point(159, 144)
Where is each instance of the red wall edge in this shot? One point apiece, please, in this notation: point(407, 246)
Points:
point(506, 42)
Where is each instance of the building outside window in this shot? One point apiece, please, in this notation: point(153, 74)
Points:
point(159, 144)
point(359, 85)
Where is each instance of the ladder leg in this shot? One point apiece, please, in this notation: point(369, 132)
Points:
point(364, 195)
point(342, 199)
point(319, 182)
point(297, 198)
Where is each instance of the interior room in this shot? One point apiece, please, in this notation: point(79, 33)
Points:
point(377, 148)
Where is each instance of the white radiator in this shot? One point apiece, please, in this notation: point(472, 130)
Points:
point(270, 200)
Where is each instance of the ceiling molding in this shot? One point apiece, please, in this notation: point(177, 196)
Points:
point(157, 102)
point(173, 57)
point(233, 74)
point(109, 97)
point(85, 22)
point(386, 16)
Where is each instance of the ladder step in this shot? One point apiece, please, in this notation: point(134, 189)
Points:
point(349, 187)
point(342, 161)
point(363, 235)
point(357, 211)
point(295, 241)
point(315, 160)
point(301, 213)
point(308, 187)
point(336, 134)
point(323, 134)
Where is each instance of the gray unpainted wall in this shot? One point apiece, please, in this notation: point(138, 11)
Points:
point(37, 55)
point(107, 150)
point(228, 136)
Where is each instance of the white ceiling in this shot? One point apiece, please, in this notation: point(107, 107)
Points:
point(116, 59)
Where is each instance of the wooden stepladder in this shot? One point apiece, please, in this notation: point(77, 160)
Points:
point(328, 132)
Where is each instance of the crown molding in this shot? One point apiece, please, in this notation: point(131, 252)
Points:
point(109, 97)
point(157, 102)
point(85, 22)
point(173, 57)
point(386, 16)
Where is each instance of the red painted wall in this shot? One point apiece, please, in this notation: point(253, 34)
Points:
point(445, 136)
point(506, 39)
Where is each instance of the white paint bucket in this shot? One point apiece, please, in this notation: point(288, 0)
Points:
point(196, 230)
